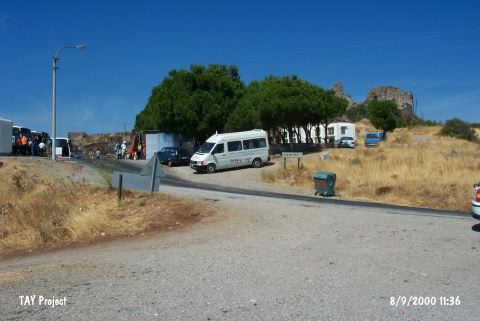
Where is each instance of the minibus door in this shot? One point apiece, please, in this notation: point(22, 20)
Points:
point(220, 156)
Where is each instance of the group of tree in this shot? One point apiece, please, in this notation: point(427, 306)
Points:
point(286, 104)
point(205, 99)
point(458, 128)
point(193, 102)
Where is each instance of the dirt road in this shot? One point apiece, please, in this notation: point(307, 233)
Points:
point(260, 259)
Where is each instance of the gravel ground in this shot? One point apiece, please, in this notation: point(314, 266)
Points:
point(259, 259)
point(246, 177)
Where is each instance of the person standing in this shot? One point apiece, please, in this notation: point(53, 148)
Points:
point(119, 150)
point(139, 151)
point(124, 149)
point(33, 145)
point(24, 142)
point(41, 148)
point(18, 145)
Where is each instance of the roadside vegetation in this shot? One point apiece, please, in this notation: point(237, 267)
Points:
point(38, 211)
point(414, 167)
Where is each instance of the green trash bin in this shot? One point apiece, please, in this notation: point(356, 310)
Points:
point(324, 183)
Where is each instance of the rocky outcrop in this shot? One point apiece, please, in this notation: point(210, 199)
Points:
point(403, 99)
point(87, 144)
point(338, 90)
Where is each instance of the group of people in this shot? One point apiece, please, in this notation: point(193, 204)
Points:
point(121, 150)
point(29, 147)
point(122, 153)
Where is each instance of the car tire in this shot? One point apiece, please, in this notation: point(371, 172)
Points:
point(257, 163)
point(170, 164)
point(211, 168)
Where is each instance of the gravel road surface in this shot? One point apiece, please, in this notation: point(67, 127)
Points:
point(260, 259)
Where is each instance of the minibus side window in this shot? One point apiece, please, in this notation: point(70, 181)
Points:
point(249, 143)
point(254, 143)
point(262, 143)
point(219, 149)
point(234, 146)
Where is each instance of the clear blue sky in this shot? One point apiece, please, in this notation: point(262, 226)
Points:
point(428, 47)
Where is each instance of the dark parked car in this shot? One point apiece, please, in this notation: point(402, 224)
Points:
point(174, 156)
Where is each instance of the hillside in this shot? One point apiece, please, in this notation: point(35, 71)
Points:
point(86, 144)
point(415, 167)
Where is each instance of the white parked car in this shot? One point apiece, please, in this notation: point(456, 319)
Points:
point(476, 201)
point(229, 150)
point(346, 141)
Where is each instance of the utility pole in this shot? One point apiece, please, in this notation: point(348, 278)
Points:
point(55, 59)
point(54, 106)
point(123, 132)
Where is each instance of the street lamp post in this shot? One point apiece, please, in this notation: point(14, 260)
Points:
point(54, 95)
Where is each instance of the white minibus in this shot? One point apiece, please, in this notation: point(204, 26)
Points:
point(229, 150)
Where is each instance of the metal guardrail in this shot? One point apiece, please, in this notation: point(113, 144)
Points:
point(147, 180)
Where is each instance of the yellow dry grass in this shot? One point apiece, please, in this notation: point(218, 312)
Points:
point(415, 167)
point(40, 211)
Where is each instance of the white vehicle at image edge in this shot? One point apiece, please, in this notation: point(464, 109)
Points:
point(230, 150)
point(476, 201)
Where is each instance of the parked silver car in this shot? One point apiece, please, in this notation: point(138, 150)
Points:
point(476, 201)
point(346, 142)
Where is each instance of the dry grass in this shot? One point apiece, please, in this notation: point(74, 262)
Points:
point(415, 167)
point(39, 211)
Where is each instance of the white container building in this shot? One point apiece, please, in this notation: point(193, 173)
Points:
point(335, 131)
point(5, 136)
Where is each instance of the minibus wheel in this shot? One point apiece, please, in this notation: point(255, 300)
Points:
point(211, 168)
point(257, 163)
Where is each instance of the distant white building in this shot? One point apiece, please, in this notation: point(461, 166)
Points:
point(6, 139)
point(334, 132)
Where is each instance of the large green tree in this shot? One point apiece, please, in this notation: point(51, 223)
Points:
point(384, 115)
point(194, 102)
point(328, 108)
point(273, 103)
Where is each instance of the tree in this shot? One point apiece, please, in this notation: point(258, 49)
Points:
point(329, 108)
point(357, 113)
point(383, 115)
point(275, 102)
point(195, 102)
point(458, 128)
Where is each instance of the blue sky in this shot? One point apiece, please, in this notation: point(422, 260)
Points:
point(428, 47)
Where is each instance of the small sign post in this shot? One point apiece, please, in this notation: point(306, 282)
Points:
point(154, 170)
point(286, 155)
point(120, 183)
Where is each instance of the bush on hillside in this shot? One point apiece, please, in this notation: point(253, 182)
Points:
point(458, 128)
point(356, 113)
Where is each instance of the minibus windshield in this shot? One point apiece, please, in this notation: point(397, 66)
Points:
point(206, 148)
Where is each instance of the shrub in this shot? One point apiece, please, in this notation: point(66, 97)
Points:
point(458, 128)
point(356, 113)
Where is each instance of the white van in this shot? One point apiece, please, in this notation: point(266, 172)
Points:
point(220, 151)
point(63, 148)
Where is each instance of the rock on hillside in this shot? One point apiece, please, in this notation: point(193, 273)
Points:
point(338, 90)
point(86, 144)
point(404, 99)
